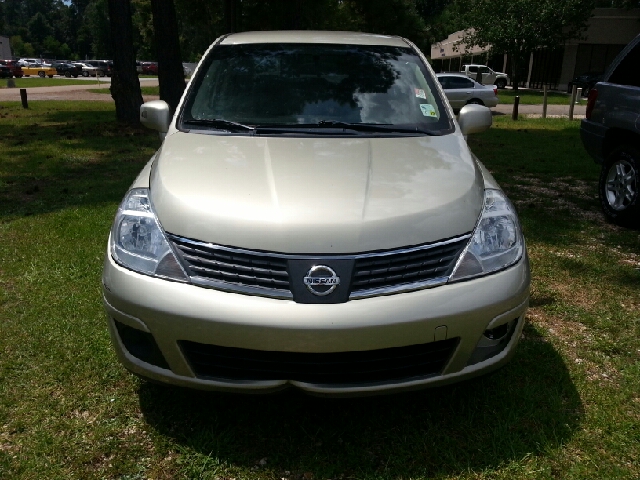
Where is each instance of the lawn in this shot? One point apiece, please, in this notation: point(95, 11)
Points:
point(49, 82)
point(567, 406)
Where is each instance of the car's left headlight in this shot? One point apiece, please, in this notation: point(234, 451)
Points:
point(497, 241)
point(139, 243)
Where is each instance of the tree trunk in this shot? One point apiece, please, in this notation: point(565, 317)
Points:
point(514, 71)
point(170, 71)
point(125, 86)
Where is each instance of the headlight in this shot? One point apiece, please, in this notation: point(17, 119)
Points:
point(138, 242)
point(497, 240)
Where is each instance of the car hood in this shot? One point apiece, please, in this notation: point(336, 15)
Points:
point(316, 194)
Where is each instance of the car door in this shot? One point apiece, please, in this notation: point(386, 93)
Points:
point(459, 91)
point(488, 76)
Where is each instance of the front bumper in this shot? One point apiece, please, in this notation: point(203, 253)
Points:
point(175, 314)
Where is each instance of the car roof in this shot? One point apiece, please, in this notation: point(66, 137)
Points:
point(310, 36)
point(452, 74)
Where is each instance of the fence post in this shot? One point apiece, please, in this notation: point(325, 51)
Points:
point(572, 104)
point(516, 102)
point(544, 101)
point(23, 97)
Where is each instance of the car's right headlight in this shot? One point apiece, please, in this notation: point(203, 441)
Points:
point(497, 241)
point(139, 243)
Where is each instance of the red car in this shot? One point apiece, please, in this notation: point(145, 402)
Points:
point(14, 68)
point(149, 68)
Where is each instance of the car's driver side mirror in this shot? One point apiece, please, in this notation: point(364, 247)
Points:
point(474, 119)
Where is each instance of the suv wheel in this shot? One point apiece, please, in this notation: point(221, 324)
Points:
point(619, 184)
point(501, 83)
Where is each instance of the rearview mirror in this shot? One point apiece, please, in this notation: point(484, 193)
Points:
point(474, 119)
point(155, 115)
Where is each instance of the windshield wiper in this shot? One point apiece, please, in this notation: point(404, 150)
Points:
point(220, 123)
point(315, 128)
point(368, 127)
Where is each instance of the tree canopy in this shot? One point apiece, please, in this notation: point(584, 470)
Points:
point(79, 29)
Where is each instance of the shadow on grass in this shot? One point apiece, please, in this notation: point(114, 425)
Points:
point(528, 408)
point(64, 158)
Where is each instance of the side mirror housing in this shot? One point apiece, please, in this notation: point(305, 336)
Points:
point(474, 119)
point(156, 115)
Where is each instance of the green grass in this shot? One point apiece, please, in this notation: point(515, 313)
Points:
point(145, 90)
point(567, 406)
point(47, 82)
point(534, 97)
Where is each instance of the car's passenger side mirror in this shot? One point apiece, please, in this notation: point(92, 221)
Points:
point(156, 115)
point(474, 119)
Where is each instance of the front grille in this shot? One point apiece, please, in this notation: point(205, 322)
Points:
point(411, 267)
point(340, 368)
point(212, 264)
point(264, 273)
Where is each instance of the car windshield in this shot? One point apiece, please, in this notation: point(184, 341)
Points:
point(301, 85)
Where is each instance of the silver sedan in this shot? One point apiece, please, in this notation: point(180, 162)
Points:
point(461, 90)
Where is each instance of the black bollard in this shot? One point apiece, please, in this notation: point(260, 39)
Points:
point(23, 97)
point(516, 102)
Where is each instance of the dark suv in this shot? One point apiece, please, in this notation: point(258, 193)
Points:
point(67, 69)
point(611, 135)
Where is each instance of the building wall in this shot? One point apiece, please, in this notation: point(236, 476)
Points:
point(5, 48)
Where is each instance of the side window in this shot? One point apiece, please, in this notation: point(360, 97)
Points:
point(473, 69)
point(626, 73)
point(444, 81)
point(485, 69)
point(459, 82)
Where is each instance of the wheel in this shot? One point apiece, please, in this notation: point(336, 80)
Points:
point(41, 74)
point(501, 83)
point(619, 184)
point(100, 73)
point(475, 101)
point(85, 74)
point(67, 74)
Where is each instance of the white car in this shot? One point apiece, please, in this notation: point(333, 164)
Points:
point(461, 90)
point(314, 219)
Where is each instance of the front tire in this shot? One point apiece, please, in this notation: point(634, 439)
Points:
point(501, 83)
point(619, 184)
point(41, 74)
point(85, 74)
point(67, 74)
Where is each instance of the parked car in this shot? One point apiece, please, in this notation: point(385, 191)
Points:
point(586, 81)
point(461, 90)
point(14, 68)
point(103, 67)
point(67, 69)
point(149, 68)
point(88, 70)
point(25, 62)
point(489, 77)
point(39, 69)
point(611, 135)
point(341, 238)
point(5, 71)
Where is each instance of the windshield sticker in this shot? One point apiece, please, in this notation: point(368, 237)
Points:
point(427, 110)
point(420, 93)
